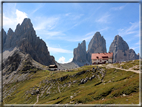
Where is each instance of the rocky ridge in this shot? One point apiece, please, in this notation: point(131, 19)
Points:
point(121, 51)
point(80, 52)
point(18, 66)
point(119, 47)
point(26, 40)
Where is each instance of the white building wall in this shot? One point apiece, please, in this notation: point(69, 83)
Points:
point(102, 60)
point(110, 60)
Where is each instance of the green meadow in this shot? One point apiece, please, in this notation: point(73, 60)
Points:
point(108, 86)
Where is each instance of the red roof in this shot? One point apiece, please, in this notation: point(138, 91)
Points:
point(101, 55)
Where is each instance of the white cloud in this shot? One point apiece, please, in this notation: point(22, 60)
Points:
point(41, 5)
point(118, 8)
point(10, 21)
point(20, 16)
point(104, 18)
point(77, 38)
point(70, 59)
point(62, 60)
point(134, 47)
point(58, 50)
point(138, 43)
point(54, 33)
point(87, 36)
point(75, 17)
point(91, 34)
point(51, 34)
point(103, 29)
point(133, 29)
point(67, 14)
point(46, 23)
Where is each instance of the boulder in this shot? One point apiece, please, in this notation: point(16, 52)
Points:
point(63, 78)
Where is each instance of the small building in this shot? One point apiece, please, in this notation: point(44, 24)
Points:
point(102, 58)
point(53, 67)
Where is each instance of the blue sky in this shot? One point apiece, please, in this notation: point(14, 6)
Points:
point(63, 25)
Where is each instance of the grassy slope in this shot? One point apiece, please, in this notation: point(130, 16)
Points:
point(115, 84)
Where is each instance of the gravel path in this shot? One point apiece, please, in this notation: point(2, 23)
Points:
point(37, 99)
point(111, 66)
point(59, 88)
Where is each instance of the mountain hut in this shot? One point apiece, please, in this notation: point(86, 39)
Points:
point(102, 58)
point(53, 67)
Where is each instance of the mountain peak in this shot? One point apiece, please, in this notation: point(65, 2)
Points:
point(97, 34)
point(83, 44)
point(10, 31)
point(27, 20)
point(26, 40)
point(80, 52)
point(83, 41)
point(26, 24)
point(97, 44)
point(121, 51)
point(18, 25)
point(17, 30)
point(117, 37)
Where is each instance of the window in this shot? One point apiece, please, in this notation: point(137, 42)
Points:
point(104, 56)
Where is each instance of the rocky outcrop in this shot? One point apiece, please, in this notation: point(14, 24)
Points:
point(80, 52)
point(12, 63)
point(19, 62)
point(26, 40)
point(118, 44)
point(18, 66)
point(96, 45)
point(4, 36)
point(133, 55)
point(121, 51)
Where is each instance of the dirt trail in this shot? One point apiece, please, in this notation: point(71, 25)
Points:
point(37, 99)
point(111, 66)
point(59, 88)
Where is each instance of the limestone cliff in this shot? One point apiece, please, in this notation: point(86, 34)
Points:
point(26, 40)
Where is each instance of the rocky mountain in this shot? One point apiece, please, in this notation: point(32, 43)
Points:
point(80, 52)
point(133, 55)
point(96, 45)
point(121, 51)
point(119, 47)
point(18, 66)
point(25, 39)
